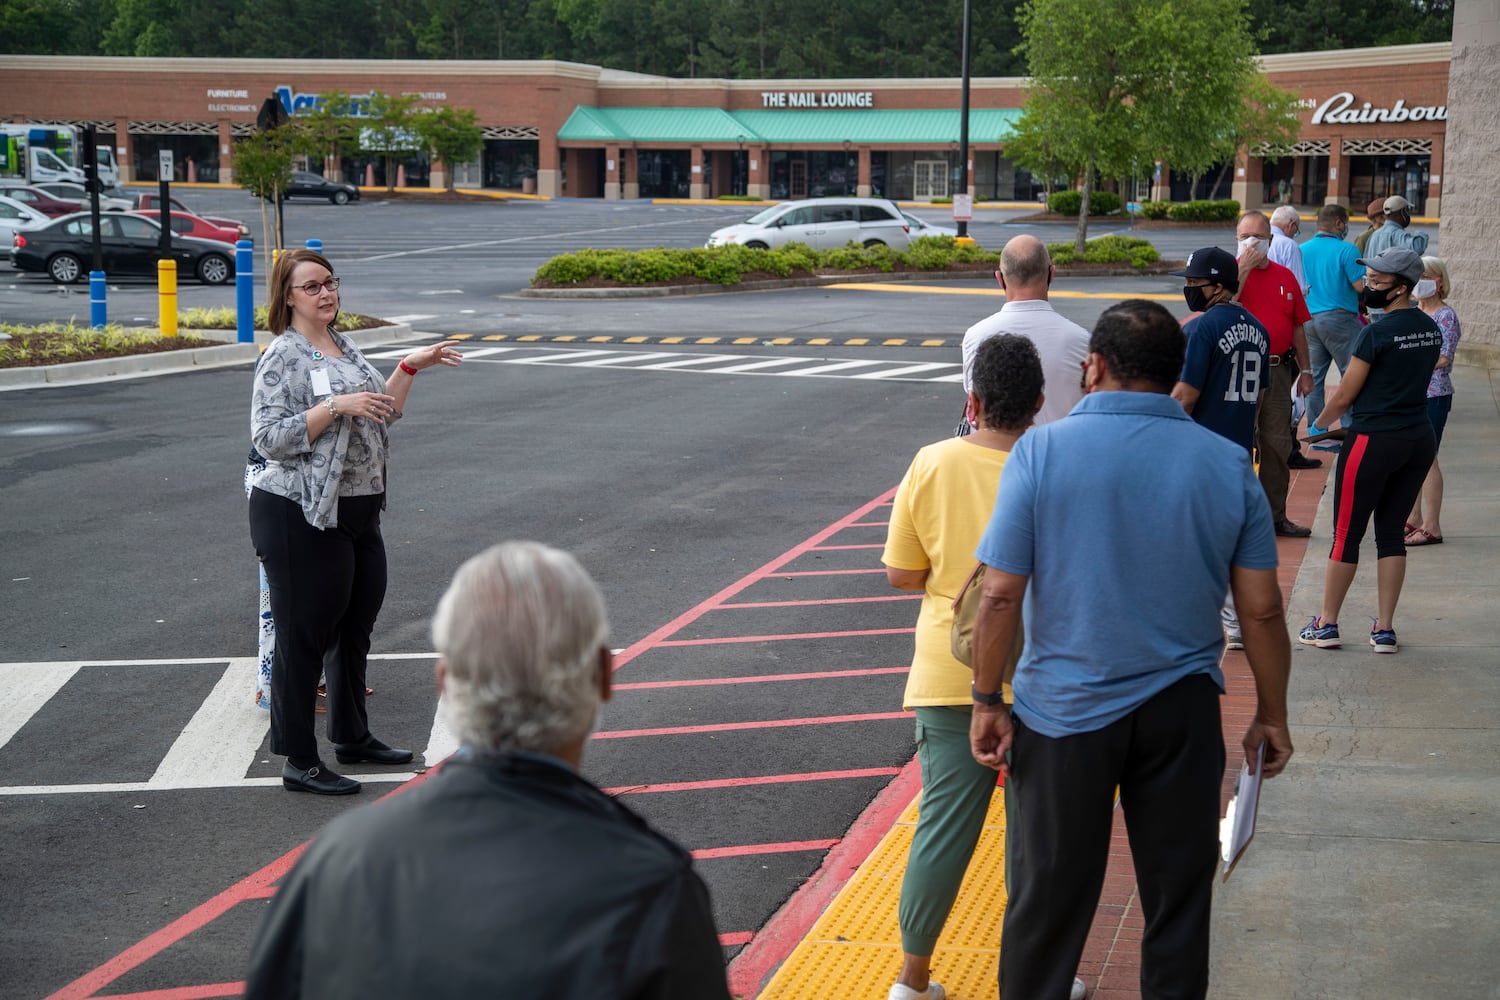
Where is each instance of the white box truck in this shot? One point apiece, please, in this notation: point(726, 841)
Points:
point(38, 153)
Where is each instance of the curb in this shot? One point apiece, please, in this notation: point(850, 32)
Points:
point(663, 291)
point(173, 362)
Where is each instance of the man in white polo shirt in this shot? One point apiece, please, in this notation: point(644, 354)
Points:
point(1025, 275)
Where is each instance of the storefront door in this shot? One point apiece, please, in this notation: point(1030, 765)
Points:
point(797, 180)
point(929, 179)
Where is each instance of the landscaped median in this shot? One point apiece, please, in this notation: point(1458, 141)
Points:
point(68, 353)
point(665, 271)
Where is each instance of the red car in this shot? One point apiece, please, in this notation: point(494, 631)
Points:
point(188, 224)
point(40, 200)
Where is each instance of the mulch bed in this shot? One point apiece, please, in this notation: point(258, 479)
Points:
point(44, 341)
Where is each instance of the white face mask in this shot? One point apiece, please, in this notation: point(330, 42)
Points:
point(1252, 243)
point(1426, 288)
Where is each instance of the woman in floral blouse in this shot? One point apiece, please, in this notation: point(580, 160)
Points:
point(1424, 526)
point(320, 415)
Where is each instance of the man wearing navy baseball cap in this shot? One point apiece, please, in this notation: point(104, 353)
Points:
point(1225, 367)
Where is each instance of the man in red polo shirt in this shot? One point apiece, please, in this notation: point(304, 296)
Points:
point(1272, 294)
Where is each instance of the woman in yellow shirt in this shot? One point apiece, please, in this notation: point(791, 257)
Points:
point(940, 511)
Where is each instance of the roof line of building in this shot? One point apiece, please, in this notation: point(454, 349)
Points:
point(1391, 55)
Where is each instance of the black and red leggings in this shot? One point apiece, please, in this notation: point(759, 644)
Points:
point(1382, 474)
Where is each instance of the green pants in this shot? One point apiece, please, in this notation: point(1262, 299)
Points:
point(956, 793)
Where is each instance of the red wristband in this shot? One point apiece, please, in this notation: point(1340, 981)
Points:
point(408, 369)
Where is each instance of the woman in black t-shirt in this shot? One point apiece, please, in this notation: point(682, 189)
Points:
point(1389, 446)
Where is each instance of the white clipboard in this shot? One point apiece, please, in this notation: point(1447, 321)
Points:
point(1240, 817)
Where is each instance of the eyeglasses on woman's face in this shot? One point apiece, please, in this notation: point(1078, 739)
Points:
point(314, 287)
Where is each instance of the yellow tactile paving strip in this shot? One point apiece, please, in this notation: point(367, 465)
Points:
point(853, 952)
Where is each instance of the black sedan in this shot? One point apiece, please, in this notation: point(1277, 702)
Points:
point(309, 185)
point(65, 249)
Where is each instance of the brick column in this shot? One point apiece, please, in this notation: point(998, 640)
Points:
point(612, 173)
point(226, 153)
point(124, 151)
point(1470, 180)
point(1338, 173)
point(758, 163)
point(1435, 182)
point(863, 191)
point(695, 173)
point(1246, 188)
point(630, 173)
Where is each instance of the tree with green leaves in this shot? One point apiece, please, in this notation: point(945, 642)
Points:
point(263, 166)
point(390, 127)
point(1116, 84)
point(452, 135)
point(330, 129)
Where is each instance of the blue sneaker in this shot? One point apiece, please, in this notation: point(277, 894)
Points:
point(1323, 636)
point(1382, 639)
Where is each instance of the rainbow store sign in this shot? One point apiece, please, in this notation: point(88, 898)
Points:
point(1339, 110)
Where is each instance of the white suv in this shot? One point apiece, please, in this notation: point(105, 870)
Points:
point(821, 223)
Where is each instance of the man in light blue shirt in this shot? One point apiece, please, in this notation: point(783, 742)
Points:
point(1335, 278)
point(1394, 233)
point(1123, 564)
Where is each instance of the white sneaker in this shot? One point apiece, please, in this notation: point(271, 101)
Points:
point(903, 992)
point(1232, 640)
point(1079, 990)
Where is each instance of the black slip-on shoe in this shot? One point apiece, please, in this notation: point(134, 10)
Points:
point(318, 780)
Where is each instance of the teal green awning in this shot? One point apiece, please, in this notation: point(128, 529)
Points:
point(711, 125)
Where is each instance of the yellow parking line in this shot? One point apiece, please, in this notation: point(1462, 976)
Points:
point(602, 339)
point(708, 340)
point(894, 342)
point(566, 338)
point(778, 341)
point(856, 342)
point(820, 342)
point(493, 336)
point(460, 336)
point(530, 337)
point(741, 341)
point(934, 343)
point(672, 340)
point(637, 340)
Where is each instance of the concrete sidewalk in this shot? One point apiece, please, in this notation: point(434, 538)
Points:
point(1376, 865)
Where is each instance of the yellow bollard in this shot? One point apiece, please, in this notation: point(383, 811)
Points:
point(166, 295)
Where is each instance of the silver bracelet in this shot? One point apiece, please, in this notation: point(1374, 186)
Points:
point(333, 408)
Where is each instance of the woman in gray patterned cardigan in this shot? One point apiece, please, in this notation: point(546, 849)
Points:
point(320, 415)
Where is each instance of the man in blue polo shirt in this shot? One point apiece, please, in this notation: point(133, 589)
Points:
point(1122, 565)
point(1335, 280)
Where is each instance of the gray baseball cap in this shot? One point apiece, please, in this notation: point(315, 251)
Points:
point(1398, 261)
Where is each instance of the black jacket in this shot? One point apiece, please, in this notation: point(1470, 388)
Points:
point(501, 875)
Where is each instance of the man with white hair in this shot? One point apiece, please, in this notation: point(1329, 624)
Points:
point(1285, 225)
point(504, 873)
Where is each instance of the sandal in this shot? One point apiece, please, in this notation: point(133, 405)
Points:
point(1422, 537)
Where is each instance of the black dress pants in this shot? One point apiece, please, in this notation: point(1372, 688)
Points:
point(1167, 758)
point(327, 588)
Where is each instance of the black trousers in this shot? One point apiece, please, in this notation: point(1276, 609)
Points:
point(1167, 758)
point(327, 588)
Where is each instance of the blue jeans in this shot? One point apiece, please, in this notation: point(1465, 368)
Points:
point(1330, 338)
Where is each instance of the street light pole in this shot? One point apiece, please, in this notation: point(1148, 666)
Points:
point(963, 119)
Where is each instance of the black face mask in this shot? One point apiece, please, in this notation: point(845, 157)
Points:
point(1196, 297)
point(1377, 298)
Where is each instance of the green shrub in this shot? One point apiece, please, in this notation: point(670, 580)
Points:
point(1103, 203)
point(739, 197)
point(945, 200)
point(1111, 249)
point(1155, 209)
point(1069, 202)
point(1065, 202)
point(1226, 210)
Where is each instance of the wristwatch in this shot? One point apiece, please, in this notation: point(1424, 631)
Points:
point(998, 698)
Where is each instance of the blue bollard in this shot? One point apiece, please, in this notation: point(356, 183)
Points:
point(98, 308)
point(316, 246)
point(244, 291)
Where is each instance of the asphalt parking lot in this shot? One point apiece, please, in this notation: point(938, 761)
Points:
point(456, 268)
point(727, 498)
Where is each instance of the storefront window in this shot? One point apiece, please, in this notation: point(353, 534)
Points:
point(664, 173)
point(1295, 180)
point(1372, 177)
point(509, 163)
point(194, 157)
point(413, 165)
point(1212, 185)
point(799, 174)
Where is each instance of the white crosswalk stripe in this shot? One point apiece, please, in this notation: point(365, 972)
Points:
point(218, 747)
point(623, 359)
